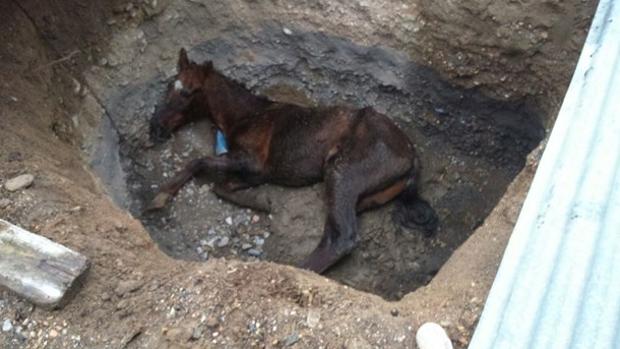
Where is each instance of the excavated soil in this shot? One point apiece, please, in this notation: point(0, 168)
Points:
point(474, 84)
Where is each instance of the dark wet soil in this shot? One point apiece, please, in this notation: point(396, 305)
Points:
point(471, 148)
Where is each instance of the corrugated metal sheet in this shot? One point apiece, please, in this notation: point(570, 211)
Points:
point(558, 285)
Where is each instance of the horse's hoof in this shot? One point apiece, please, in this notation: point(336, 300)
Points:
point(159, 201)
point(320, 260)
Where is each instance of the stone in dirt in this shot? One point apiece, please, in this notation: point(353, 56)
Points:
point(313, 318)
point(197, 333)
point(223, 241)
point(37, 268)
point(432, 336)
point(291, 339)
point(212, 321)
point(4, 203)
point(259, 241)
point(254, 252)
point(7, 325)
point(19, 182)
point(128, 286)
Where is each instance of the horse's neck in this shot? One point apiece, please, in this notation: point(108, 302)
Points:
point(230, 103)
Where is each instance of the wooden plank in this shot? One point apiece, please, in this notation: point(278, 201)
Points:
point(38, 269)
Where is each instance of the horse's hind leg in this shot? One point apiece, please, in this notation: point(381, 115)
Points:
point(382, 196)
point(361, 168)
point(340, 233)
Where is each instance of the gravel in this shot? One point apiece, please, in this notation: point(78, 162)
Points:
point(223, 241)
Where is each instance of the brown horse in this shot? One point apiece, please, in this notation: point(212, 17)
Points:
point(363, 157)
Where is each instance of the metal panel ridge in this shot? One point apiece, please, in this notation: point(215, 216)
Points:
point(558, 285)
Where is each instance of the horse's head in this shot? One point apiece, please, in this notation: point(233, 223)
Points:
point(182, 100)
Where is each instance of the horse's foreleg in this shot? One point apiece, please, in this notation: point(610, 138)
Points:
point(221, 165)
point(239, 194)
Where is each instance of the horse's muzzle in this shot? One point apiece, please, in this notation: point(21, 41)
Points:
point(157, 132)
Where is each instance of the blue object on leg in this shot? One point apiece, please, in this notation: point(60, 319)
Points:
point(221, 146)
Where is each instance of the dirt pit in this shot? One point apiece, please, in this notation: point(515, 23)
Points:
point(471, 148)
point(80, 81)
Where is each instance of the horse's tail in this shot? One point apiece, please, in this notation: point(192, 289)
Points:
point(412, 211)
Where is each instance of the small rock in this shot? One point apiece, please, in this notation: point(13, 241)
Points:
point(197, 333)
point(441, 111)
point(199, 250)
point(287, 31)
point(19, 182)
point(105, 296)
point(313, 318)
point(212, 321)
point(7, 325)
point(291, 339)
point(463, 341)
point(259, 241)
point(76, 86)
point(246, 246)
point(211, 242)
point(223, 241)
point(445, 323)
point(229, 220)
point(128, 286)
point(4, 203)
point(204, 243)
point(255, 219)
point(180, 334)
point(394, 312)
point(254, 252)
point(53, 333)
point(432, 336)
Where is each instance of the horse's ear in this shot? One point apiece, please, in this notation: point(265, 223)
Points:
point(183, 60)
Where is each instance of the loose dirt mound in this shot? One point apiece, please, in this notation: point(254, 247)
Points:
point(69, 68)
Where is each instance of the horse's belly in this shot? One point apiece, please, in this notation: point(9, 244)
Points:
point(297, 167)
